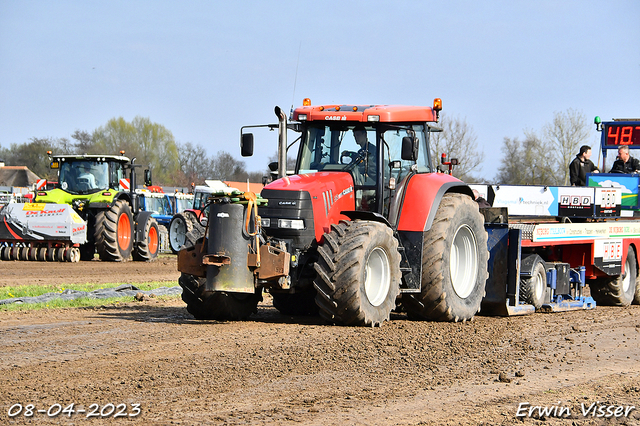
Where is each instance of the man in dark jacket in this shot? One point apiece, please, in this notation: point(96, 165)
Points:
point(625, 162)
point(580, 166)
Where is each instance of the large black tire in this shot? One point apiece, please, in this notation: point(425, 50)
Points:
point(302, 303)
point(216, 305)
point(358, 273)
point(454, 263)
point(533, 288)
point(147, 249)
point(620, 290)
point(636, 298)
point(114, 232)
point(182, 224)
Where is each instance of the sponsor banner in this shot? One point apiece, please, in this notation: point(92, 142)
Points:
point(41, 222)
point(585, 231)
point(565, 201)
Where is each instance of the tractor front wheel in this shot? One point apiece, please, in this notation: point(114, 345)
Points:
point(114, 231)
point(358, 273)
point(147, 249)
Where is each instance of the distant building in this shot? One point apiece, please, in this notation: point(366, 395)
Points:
point(17, 176)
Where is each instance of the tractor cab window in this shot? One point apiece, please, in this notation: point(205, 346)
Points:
point(117, 173)
point(157, 205)
point(395, 169)
point(84, 176)
point(344, 147)
point(183, 204)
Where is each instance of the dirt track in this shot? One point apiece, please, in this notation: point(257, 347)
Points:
point(281, 370)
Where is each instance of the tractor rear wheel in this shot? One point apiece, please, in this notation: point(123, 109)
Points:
point(216, 305)
point(358, 273)
point(619, 290)
point(147, 249)
point(113, 232)
point(454, 263)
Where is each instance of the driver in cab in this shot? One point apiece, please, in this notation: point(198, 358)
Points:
point(365, 155)
point(625, 162)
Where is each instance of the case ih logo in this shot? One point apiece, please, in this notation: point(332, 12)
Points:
point(576, 201)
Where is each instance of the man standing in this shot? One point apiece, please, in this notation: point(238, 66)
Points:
point(580, 166)
point(625, 162)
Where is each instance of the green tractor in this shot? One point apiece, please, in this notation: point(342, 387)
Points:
point(98, 189)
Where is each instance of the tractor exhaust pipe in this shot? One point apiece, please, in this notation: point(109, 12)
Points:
point(282, 142)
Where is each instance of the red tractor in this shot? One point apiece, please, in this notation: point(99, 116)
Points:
point(365, 224)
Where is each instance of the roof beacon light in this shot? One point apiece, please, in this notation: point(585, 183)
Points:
point(306, 102)
point(122, 152)
point(437, 107)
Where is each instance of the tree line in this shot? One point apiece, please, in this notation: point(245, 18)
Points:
point(540, 158)
point(151, 144)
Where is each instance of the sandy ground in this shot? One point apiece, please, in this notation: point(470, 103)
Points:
point(276, 369)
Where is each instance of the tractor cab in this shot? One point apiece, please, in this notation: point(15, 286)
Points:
point(89, 174)
point(370, 152)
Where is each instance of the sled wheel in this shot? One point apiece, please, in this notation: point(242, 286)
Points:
point(72, 254)
point(113, 232)
point(51, 254)
point(216, 305)
point(533, 288)
point(358, 271)
point(620, 290)
point(42, 254)
point(454, 263)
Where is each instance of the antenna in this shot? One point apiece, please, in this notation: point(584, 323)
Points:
point(295, 81)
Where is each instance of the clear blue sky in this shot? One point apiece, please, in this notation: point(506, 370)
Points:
point(205, 68)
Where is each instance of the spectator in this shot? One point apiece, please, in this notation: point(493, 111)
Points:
point(625, 162)
point(580, 166)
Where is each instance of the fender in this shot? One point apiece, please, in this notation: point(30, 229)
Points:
point(422, 198)
point(140, 221)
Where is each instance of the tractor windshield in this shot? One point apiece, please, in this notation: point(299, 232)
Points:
point(84, 176)
point(354, 148)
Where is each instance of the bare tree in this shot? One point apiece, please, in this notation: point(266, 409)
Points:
point(565, 134)
point(457, 140)
point(527, 162)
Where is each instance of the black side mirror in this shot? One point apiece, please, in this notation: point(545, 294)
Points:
point(147, 177)
point(409, 148)
point(273, 166)
point(246, 145)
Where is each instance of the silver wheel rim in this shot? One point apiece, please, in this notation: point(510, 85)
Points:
point(538, 286)
point(177, 233)
point(463, 261)
point(377, 277)
point(626, 278)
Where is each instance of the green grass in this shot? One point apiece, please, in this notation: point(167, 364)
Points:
point(38, 290)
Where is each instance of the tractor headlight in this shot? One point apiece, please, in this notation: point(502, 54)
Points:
point(291, 223)
point(266, 222)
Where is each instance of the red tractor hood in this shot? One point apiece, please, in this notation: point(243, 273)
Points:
point(331, 193)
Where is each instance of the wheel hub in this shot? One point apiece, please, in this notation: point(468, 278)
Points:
point(377, 277)
point(463, 261)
